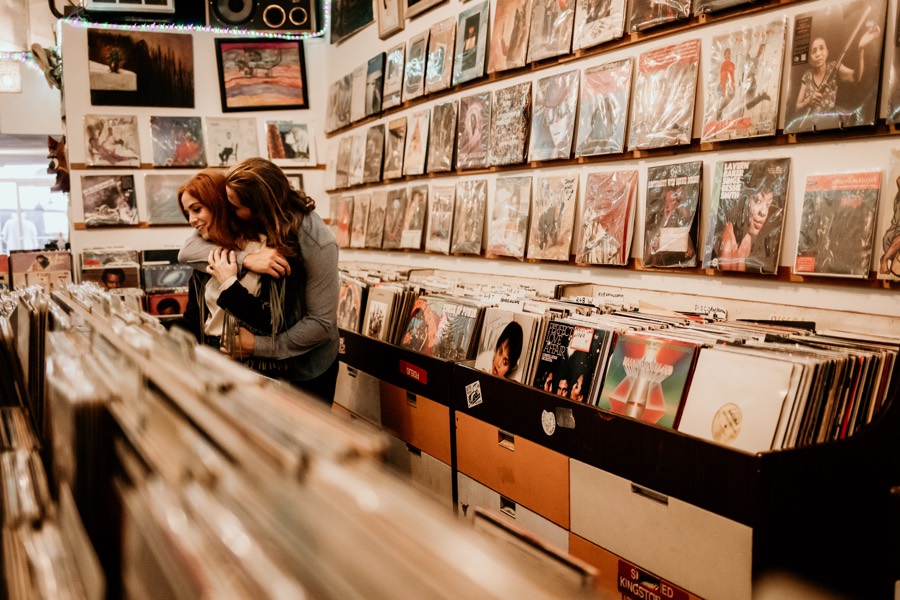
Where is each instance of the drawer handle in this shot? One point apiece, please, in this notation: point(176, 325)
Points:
point(649, 494)
point(351, 371)
point(413, 450)
point(506, 440)
point(507, 507)
point(411, 399)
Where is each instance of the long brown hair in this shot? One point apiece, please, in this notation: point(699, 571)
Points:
point(208, 187)
point(262, 186)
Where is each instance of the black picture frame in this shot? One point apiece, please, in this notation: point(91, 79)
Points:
point(278, 63)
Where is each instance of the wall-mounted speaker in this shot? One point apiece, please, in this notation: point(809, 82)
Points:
point(286, 16)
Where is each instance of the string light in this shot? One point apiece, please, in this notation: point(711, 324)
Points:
point(171, 27)
point(22, 57)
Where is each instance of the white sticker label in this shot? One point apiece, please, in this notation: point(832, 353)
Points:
point(548, 421)
point(473, 394)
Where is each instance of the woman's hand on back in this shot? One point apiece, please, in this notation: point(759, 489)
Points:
point(222, 265)
point(268, 261)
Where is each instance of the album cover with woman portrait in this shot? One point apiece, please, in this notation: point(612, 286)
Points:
point(553, 116)
point(646, 14)
point(395, 213)
point(360, 224)
point(747, 215)
point(395, 61)
point(607, 218)
point(416, 143)
point(673, 214)
point(375, 222)
point(440, 218)
point(414, 71)
point(510, 124)
point(468, 220)
point(888, 233)
point(108, 200)
point(551, 29)
point(177, 141)
point(509, 36)
point(508, 226)
point(603, 108)
point(442, 138)
point(439, 66)
point(374, 154)
point(837, 224)
point(506, 343)
point(835, 66)
point(665, 87)
point(471, 43)
point(891, 92)
point(290, 143)
point(111, 141)
point(743, 82)
point(473, 131)
point(553, 218)
point(598, 21)
point(394, 146)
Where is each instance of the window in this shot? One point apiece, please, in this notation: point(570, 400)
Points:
point(30, 214)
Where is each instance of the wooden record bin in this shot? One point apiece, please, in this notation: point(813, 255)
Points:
point(701, 518)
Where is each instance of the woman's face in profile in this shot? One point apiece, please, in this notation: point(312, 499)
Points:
point(199, 216)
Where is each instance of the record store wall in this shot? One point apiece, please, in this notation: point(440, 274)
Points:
point(865, 149)
point(206, 104)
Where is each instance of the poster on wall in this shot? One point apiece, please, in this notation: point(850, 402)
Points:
point(256, 74)
point(161, 192)
point(141, 68)
point(177, 141)
point(229, 141)
point(290, 143)
point(108, 200)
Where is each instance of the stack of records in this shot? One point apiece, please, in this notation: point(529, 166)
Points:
point(443, 326)
point(387, 305)
point(507, 342)
point(351, 302)
point(49, 269)
point(111, 268)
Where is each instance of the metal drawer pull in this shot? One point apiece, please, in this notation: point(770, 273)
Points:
point(649, 494)
point(507, 440)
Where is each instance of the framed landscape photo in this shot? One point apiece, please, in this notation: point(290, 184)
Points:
point(414, 7)
point(391, 17)
point(257, 74)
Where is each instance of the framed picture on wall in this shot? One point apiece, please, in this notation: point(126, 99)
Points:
point(414, 7)
point(257, 74)
point(348, 17)
point(391, 17)
point(296, 181)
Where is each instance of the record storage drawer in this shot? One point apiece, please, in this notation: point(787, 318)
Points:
point(359, 393)
point(695, 549)
point(525, 472)
point(423, 470)
point(418, 421)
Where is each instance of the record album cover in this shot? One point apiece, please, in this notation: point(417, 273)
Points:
point(891, 92)
point(708, 6)
point(395, 213)
point(230, 140)
point(161, 192)
point(177, 141)
point(442, 138)
point(837, 224)
point(743, 82)
point(553, 116)
point(338, 114)
point(342, 166)
point(441, 327)
point(111, 141)
point(375, 223)
point(439, 65)
point(505, 342)
point(509, 37)
point(374, 84)
point(888, 239)
point(414, 71)
point(344, 220)
point(416, 143)
point(598, 21)
point(468, 221)
point(568, 360)
point(473, 131)
point(357, 158)
point(395, 62)
point(350, 303)
point(471, 42)
point(508, 227)
point(290, 143)
point(358, 93)
point(834, 67)
point(510, 123)
point(662, 111)
point(607, 218)
point(394, 145)
point(440, 218)
point(551, 29)
point(672, 215)
point(414, 219)
point(374, 153)
point(361, 202)
point(747, 215)
point(553, 217)
point(603, 108)
point(108, 200)
point(646, 14)
point(647, 379)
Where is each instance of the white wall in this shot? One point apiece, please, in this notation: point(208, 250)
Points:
point(36, 110)
point(806, 158)
point(207, 104)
